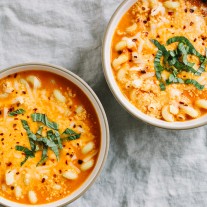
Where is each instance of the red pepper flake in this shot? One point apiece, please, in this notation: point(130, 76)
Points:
point(1, 134)
point(143, 8)
point(12, 187)
point(66, 162)
point(24, 92)
point(191, 23)
point(80, 162)
point(15, 75)
point(11, 109)
point(194, 40)
point(8, 164)
point(191, 10)
point(14, 125)
point(184, 27)
point(17, 173)
point(185, 10)
point(43, 180)
point(145, 21)
point(170, 13)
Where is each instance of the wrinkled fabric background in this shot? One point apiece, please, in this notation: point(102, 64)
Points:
point(146, 166)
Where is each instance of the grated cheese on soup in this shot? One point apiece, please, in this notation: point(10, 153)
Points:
point(165, 63)
point(49, 137)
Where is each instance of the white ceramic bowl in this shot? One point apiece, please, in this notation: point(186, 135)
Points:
point(103, 125)
point(106, 60)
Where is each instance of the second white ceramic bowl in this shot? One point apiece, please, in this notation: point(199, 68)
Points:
point(106, 60)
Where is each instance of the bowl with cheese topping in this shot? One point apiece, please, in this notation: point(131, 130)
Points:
point(54, 136)
point(155, 61)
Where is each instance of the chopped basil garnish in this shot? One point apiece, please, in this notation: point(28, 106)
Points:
point(162, 86)
point(52, 141)
point(43, 118)
point(44, 155)
point(195, 83)
point(32, 137)
point(51, 144)
point(28, 153)
point(72, 135)
point(176, 61)
point(18, 111)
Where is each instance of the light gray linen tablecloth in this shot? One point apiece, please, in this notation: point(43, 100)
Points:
point(146, 166)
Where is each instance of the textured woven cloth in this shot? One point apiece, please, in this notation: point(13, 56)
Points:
point(146, 166)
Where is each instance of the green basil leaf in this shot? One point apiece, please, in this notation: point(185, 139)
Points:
point(39, 131)
point(72, 135)
point(51, 144)
point(18, 111)
point(30, 134)
point(173, 79)
point(157, 65)
point(44, 155)
point(172, 61)
point(55, 136)
point(195, 83)
point(201, 68)
point(184, 40)
point(28, 153)
point(159, 46)
point(37, 117)
point(173, 53)
point(162, 87)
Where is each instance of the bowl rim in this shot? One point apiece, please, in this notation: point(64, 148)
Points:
point(101, 116)
point(113, 86)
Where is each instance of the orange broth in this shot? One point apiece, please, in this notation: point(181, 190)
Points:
point(136, 76)
point(75, 112)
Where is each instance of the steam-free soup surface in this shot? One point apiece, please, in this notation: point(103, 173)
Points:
point(50, 121)
point(153, 61)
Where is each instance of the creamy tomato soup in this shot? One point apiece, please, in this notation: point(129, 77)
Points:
point(49, 137)
point(158, 57)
